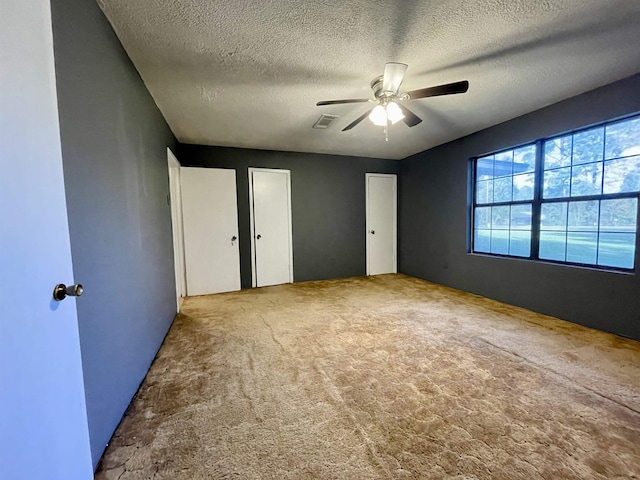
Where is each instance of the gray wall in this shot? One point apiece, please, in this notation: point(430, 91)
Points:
point(114, 143)
point(433, 223)
point(328, 206)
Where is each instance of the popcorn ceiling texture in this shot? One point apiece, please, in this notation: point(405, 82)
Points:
point(248, 73)
point(385, 377)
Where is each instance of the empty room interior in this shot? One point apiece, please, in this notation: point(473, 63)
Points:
point(320, 239)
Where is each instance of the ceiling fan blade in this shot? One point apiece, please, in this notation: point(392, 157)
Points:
point(410, 118)
point(357, 120)
point(393, 76)
point(448, 89)
point(336, 102)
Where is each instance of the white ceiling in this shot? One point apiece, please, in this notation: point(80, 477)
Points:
point(248, 74)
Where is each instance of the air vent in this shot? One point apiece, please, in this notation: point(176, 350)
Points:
point(324, 121)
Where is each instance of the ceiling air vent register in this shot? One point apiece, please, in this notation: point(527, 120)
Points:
point(324, 121)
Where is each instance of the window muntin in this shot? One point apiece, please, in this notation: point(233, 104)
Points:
point(581, 210)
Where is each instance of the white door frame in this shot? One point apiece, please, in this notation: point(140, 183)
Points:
point(252, 225)
point(395, 216)
point(175, 196)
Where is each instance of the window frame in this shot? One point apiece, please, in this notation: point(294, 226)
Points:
point(538, 200)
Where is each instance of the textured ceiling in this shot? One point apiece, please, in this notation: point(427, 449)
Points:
point(248, 73)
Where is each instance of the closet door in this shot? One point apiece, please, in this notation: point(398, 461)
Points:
point(270, 195)
point(210, 219)
point(381, 223)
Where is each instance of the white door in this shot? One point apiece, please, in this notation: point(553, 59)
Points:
point(210, 222)
point(270, 212)
point(43, 419)
point(381, 223)
point(175, 195)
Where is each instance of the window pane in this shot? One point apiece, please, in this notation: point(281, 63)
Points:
point(502, 189)
point(524, 159)
point(520, 243)
point(583, 216)
point(616, 249)
point(553, 216)
point(552, 245)
point(618, 215)
point(482, 217)
point(484, 168)
point(504, 164)
point(500, 217)
point(586, 180)
point(521, 217)
point(622, 175)
point(523, 186)
point(588, 146)
point(582, 247)
point(484, 191)
point(557, 152)
point(482, 241)
point(556, 183)
point(500, 242)
point(623, 139)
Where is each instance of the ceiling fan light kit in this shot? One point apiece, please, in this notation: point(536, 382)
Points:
point(394, 114)
point(380, 114)
point(387, 97)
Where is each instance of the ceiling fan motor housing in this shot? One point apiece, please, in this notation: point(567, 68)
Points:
point(384, 97)
point(376, 86)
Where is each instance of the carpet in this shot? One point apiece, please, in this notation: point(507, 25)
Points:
point(386, 377)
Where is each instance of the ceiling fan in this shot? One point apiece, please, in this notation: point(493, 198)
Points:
point(386, 90)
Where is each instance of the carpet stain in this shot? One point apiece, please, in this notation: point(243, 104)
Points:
point(379, 378)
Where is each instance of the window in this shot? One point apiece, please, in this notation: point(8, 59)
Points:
point(570, 199)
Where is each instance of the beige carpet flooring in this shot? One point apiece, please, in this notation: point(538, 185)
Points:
point(379, 378)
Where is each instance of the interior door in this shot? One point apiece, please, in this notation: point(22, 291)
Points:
point(210, 223)
point(270, 192)
point(43, 420)
point(175, 194)
point(381, 201)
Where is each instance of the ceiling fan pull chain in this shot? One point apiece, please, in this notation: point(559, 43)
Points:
point(386, 131)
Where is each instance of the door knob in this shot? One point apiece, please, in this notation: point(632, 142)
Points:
point(373, 232)
point(259, 237)
point(61, 291)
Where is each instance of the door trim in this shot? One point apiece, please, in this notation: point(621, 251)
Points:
point(395, 217)
point(177, 228)
point(252, 223)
